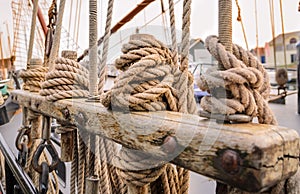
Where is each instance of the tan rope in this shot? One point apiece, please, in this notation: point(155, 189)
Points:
point(132, 92)
point(32, 31)
point(105, 46)
point(239, 18)
point(93, 33)
point(34, 76)
point(244, 77)
point(185, 42)
point(137, 169)
point(150, 82)
point(67, 80)
point(173, 31)
point(225, 25)
point(57, 34)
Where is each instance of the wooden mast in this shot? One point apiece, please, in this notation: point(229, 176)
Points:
point(41, 19)
point(2, 57)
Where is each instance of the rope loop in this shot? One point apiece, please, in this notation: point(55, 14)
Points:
point(245, 78)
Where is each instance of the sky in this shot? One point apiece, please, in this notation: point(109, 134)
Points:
point(204, 18)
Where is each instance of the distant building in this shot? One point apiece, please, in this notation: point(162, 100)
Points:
point(198, 52)
point(260, 54)
point(291, 40)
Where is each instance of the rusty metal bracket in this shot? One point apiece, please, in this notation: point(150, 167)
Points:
point(51, 149)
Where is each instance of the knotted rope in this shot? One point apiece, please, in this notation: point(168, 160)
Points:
point(150, 81)
point(244, 77)
point(68, 80)
point(34, 76)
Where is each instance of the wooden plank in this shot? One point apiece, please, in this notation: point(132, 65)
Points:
point(250, 156)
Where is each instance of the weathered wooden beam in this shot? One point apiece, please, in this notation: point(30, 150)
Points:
point(252, 157)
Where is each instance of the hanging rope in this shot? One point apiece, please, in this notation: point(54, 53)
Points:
point(105, 46)
point(93, 33)
point(239, 19)
point(173, 31)
point(185, 42)
point(57, 34)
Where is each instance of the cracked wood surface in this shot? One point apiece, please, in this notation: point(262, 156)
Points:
point(251, 156)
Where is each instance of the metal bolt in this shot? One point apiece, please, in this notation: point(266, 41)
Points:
point(66, 113)
point(230, 162)
point(169, 145)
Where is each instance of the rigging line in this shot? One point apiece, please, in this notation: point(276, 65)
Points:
point(164, 20)
point(271, 6)
point(70, 21)
point(239, 18)
point(139, 28)
point(283, 34)
point(256, 26)
point(78, 22)
point(153, 19)
point(76, 15)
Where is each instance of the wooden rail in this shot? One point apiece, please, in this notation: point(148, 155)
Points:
point(252, 157)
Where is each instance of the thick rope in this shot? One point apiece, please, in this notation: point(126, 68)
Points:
point(105, 46)
point(137, 169)
point(67, 80)
point(150, 82)
point(34, 76)
point(149, 78)
point(93, 33)
point(173, 31)
point(57, 35)
point(244, 77)
point(185, 42)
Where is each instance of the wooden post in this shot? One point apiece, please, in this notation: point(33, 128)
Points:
point(67, 131)
point(92, 185)
point(67, 141)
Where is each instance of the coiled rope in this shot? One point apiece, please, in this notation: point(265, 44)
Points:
point(244, 77)
point(150, 82)
point(68, 80)
point(34, 76)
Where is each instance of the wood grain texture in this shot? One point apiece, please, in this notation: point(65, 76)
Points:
point(251, 156)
